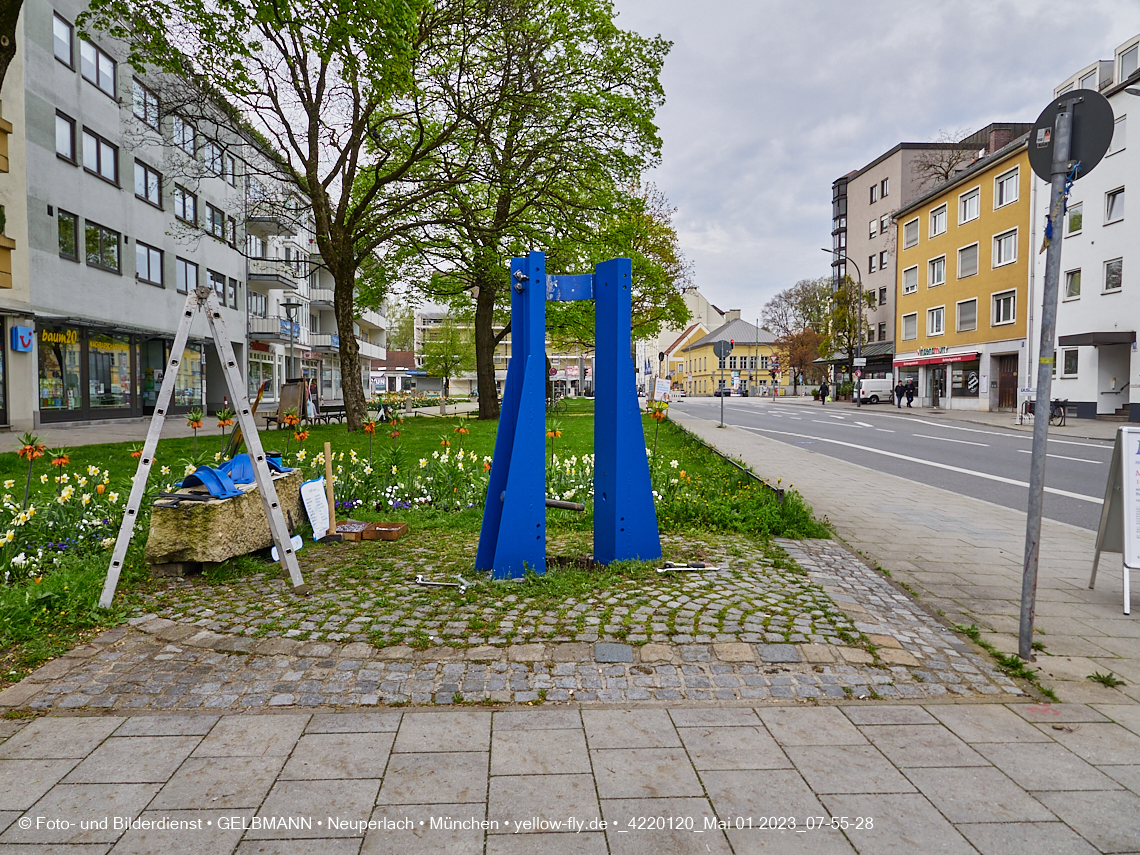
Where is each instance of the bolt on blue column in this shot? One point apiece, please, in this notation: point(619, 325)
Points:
point(625, 519)
point(513, 536)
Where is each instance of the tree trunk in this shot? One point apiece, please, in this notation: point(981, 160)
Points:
point(9, 15)
point(485, 349)
point(355, 404)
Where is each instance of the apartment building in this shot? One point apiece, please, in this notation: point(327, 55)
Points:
point(963, 296)
point(647, 351)
point(1097, 364)
point(750, 368)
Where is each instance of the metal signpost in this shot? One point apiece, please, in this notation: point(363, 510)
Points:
point(1070, 137)
point(722, 349)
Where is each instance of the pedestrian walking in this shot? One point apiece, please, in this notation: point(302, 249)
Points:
point(823, 390)
point(900, 390)
point(910, 390)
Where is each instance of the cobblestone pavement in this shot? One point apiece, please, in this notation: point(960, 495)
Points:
point(164, 664)
point(687, 780)
point(753, 596)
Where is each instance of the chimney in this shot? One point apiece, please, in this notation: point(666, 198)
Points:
point(732, 315)
point(999, 138)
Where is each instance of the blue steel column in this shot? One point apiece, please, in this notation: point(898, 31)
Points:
point(625, 520)
point(513, 536)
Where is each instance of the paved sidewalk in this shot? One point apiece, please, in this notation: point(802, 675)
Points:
point(872, 779)
point(963, 558)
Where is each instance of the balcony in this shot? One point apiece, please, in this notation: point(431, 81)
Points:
point(274, 329)
point(372, 318)
point(322, 298)
point(5, 130)
point(272, 273)
point(326, 343)
point(371, 350)
point(269, 219)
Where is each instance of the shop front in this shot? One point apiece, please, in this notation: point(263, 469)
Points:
point(94, 373)
point(943, 379)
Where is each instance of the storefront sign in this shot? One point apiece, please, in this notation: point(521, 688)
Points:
point(931, 351)
point(22, 339)
point(59, 337)
point(906, 362)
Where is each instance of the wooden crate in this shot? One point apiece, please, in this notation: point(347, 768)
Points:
point(352, 529)
point(385, 531)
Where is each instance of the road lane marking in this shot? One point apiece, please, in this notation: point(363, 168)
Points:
point(863, 424)
point(948, 439)
point(1063, 457)
point(884, 430)
point(986, 475)
point(1084, 444)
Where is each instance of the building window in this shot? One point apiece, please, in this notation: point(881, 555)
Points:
point(967, 315)
point(884, 221)
point(231, 232)
point(1114, 206)
point(871, 263)
point(1005, 248)
point(1076, 217)
point(1119, 135)
point(1128, 62)
point(938, 221)
point(215, 221)
point(910, 233)
point(871, 228)
point(229, 169)
point(874, 193)
point(910, 280)
point(882, 296)
point(258, 306)
point(910, 326)
point(1005, 308)
point(1070, 363)
point(884, 188)
point(102, 246)
point(936, 272)
point(183, 133)
point(148, 184)
point(68, 225)
point(232, 293)
point(185, 275)
point(212, 155)
point(936, 320)
point(61, 32)
point(1072, 284)
point(65, 137)
point(967, 261)
point(100, 157)
point(256, 247)
point(145, 105)
point(218, 283)
point(883, 260)
point(1005, 187)
point(969, 207)
point(1113, 274)
point(882, 332)
point(148, 264)
point(185, 205)
point(97, 67)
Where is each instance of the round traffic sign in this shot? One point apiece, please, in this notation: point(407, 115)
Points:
point(858, 373)
point(1088, 141)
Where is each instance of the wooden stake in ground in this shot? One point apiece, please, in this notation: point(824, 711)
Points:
point(329, 489)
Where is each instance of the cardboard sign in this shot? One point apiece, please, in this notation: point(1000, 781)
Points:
point(1119, 529)
point(316, 506)
point(661, 389)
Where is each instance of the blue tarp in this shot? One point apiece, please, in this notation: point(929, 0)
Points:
point(218, 484)
point(240, 469)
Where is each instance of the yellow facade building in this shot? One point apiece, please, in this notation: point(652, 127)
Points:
point(751, 367)
point(963, 281)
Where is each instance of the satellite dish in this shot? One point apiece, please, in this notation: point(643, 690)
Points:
point(1090, 137)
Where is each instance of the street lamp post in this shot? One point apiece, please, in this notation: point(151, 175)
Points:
point(291, 306)
point(859, 335)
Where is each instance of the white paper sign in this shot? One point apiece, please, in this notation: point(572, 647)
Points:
point(661, 389)
point(316, 502)
point(1130, 460)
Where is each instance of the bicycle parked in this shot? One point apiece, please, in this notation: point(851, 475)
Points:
point(1057, 413)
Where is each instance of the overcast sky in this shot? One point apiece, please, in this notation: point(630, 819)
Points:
point(769, 101)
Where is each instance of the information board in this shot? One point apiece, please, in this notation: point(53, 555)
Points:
point(1119, 529)
point(660, 389)
point(316, 502)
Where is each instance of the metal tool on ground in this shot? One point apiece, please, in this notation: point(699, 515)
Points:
point(671, 567)
point(462, 585)
point(204, 299)
point(332, 536)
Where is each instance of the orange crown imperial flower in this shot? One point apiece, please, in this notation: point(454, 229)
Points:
point(60, 460)
point(301, 435)
point(369, 427)
point(461, 429)
point(394, 434)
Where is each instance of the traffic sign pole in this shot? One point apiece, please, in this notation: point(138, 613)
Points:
point(1062, 134)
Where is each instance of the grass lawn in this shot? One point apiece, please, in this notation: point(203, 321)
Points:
point(699, 495)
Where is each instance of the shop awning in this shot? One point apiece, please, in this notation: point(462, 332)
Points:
point(1097, 338)
point(941, 359)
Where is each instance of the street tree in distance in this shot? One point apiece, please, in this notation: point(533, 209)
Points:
point(558, 108)
point(328, 93)
point(447, 353)
point(799, 316)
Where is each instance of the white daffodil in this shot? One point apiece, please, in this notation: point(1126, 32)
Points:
point(113, 498)
point(301, 454)
point(86, 499)
point(9, 484)
point(673, 464)
point(44, 479)
point(165, 470)
point(189, 470)
point(394, 470)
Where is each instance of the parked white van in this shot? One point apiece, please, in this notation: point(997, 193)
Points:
point(873, 391)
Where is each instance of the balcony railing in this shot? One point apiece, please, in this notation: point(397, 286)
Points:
point(322, 297)
point(274, 329)
point(327, 342)
point(272, 272)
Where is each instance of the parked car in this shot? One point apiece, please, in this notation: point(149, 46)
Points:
point(722, 393)
point(874, 390)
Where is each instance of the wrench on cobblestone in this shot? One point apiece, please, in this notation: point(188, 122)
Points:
point(462, 584)
point(692, 565)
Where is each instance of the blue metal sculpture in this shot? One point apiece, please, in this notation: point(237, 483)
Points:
point(513, 537)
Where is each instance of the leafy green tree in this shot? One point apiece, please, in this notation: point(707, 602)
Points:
point(799, 316)
point(402, 328)
point(447, 352)
point(558, 110)
point(329, 93)
point(845, 322)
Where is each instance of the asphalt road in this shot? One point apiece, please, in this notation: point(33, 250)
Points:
point(974, 460)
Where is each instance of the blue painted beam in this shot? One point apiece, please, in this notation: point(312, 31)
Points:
point(568, 288)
